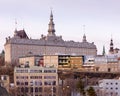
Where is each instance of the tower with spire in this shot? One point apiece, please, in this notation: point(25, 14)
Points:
point(103, 53)
point(51, 30)
point(51, 44)
point(111, 50)
point(84, 38)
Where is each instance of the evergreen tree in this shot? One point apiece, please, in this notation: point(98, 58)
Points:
point(91, 92)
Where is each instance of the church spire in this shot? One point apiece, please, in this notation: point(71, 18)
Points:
point(111, 50)
point(103, 53)
point(51, 30)
point(84, 38)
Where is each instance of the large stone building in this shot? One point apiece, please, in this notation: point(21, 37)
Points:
point(20, 44)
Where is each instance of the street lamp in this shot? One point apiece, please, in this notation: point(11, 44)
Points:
point(52, 88)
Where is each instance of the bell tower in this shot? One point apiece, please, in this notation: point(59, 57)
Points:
point(111, 50)
point(84, 38)
point(51, 30)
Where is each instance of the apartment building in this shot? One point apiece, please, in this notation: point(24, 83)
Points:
point(36, 81)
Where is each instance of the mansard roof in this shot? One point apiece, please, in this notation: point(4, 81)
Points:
point(51, 41)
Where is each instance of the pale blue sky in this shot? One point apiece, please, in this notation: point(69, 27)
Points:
point(101, 17)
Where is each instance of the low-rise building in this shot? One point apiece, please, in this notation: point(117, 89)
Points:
point(56, 61)
point(108, 63)
point(36, 81)
point(109, 87)
point(70, 61)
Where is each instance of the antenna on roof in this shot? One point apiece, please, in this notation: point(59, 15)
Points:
point(15, 24)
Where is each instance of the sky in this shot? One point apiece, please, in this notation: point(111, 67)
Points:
point(100, 17)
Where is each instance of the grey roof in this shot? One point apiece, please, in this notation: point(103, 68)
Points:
point(51, 41)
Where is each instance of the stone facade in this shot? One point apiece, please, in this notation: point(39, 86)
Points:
point(51, 44)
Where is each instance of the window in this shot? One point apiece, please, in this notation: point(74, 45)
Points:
point(116, 83)
point(54, 89)
point(109, 70)
point(26, 83)
point(40, 77)
point(26, 89)
point(50, 71)
point(40, 89)
point(54, 83)
point(111, 93)
point(47, 83)
point(31, 89)
point(37, 83)
point(106, 83)
point(49, 77)
point(17, 77)
point(27, 63)
point(36, 89)
point(22, 89)
point(35, 71)
point(18, 83)
point(22, 83)
point(35, 77)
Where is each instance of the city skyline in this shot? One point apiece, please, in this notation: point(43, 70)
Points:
point(101, 19)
